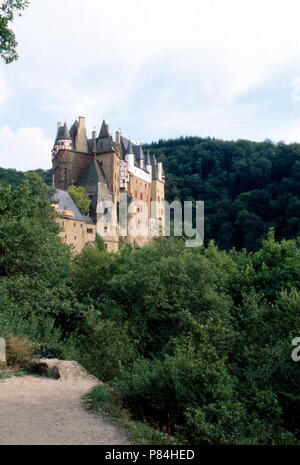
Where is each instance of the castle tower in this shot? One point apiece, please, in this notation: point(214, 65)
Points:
point(109, 159)
point(140, 157)
point(63, 140)
point(129, 157)
point(105, 168)
point(148, 163)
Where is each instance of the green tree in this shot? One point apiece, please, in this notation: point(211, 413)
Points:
point(80, 199)
point(8, 42)
point(35, 267)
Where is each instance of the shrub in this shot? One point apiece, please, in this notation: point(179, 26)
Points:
point(20, 351)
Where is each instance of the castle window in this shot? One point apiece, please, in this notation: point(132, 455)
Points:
point(89, 231)
point(141, 196)
point(74, 225)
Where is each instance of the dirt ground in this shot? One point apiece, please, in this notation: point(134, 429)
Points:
point(44, 411)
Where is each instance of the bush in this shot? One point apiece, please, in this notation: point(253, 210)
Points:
point(105, 350)
point(20, 351)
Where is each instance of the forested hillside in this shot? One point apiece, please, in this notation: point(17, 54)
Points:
point(11, 177)
point(247, 186)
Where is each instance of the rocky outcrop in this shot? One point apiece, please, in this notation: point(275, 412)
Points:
point(62, 369)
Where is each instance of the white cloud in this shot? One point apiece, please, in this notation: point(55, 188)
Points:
point(25, 149)
point(104, 58)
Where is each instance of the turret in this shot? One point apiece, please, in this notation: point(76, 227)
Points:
point(140, 157)
point(160, 171)
point(63, 140)
point(148, 163)
point(129, 157)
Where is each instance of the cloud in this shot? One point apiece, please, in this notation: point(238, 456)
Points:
point(156, 68)
point(25, 149)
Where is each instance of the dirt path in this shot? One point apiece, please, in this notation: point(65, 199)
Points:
point(43, 411)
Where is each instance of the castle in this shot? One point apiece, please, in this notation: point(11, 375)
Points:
point(117, 176)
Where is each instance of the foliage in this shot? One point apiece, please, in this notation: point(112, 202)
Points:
point(196, 342)
point(35, 268)
point(20, 351)
point(13, 178)
point(104, 401)
point(8, 42)
point(212, 331)
point(79, 197)
point(247, 186)
point(11, 374)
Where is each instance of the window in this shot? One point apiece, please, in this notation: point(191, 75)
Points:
point(89, 231)
point(74, 225)
point(136, 195)
point(141, 196)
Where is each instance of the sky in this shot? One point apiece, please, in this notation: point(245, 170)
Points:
point(152, 68)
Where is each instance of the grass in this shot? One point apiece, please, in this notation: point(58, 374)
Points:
point(105, 402)
point(10, 374)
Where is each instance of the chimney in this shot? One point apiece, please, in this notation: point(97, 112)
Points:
point(81, 121)
point(118, 138)
point(58, 125)
point(94, 134)
point(107, 127)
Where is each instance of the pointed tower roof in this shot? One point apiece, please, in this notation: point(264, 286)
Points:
point(140, 154)
point(154, 168)
point(63, 132)
point(148, 161)
point(103, 131)
point(74, 129)
point(129, 150)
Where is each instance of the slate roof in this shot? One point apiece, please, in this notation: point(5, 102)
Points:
point(148, 161)
point(129, 150)
point(154, 167)
point(137, 150)
point(103, 131)
point(65, 202)
point(93, 175)
point(63, 132)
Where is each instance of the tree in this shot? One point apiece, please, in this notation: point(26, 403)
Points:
point(35, 267)
point(78, 195)
point(8, 42)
